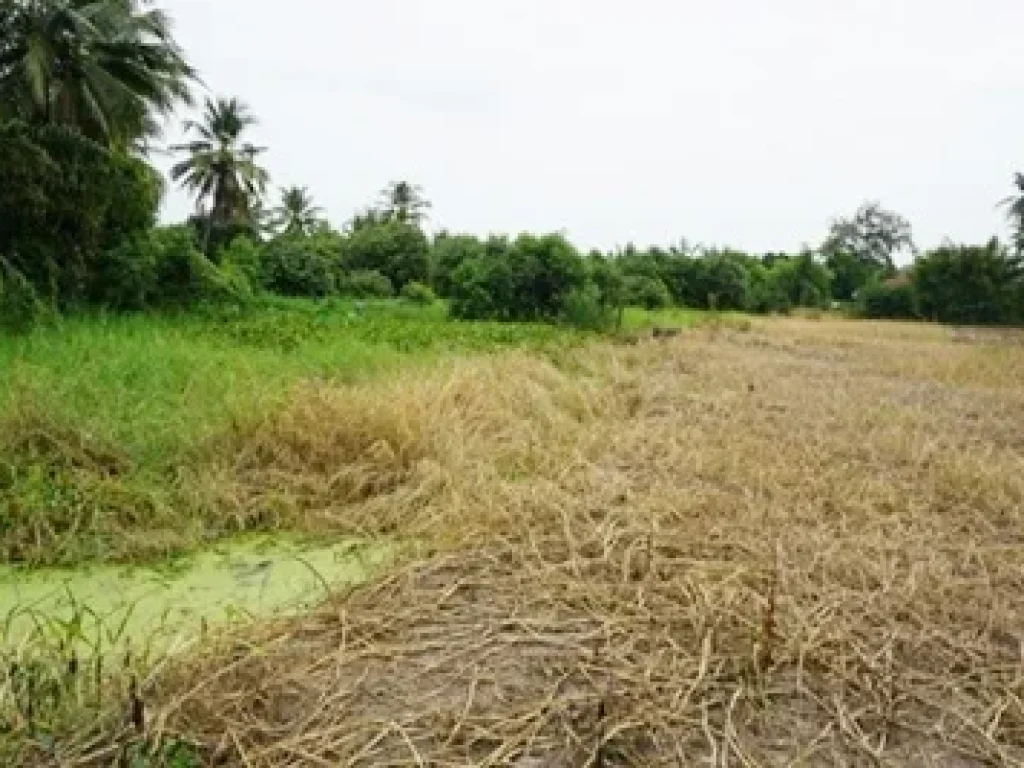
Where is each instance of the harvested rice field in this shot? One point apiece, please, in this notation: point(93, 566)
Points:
point(783, 542)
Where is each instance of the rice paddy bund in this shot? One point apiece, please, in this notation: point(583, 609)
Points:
point(786, 542)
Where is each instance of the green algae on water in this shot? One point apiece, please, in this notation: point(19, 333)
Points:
point(165, 607)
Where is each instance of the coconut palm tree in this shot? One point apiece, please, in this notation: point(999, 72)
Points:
point(220, 169)
point(297, 213)
point(108, 68)
point(404, 201)
point(1014, 205)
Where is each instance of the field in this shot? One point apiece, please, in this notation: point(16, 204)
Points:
point(775, 542)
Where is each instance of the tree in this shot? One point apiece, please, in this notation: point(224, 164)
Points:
point(64, 201)
point(969, 284)
point(103, 67)
point(397, 249)
point(297, 213)
point(849, 273)
point(221, 168)
point(1014, 205)
point(874, 236)
point(534, 278)
point(405, 202)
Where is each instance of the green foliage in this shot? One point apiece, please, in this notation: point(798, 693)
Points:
point(20, 308)
point(403, 202)
point(850, 273)
point(893, 299)
point(419, 293)
point(221, 170)
point(448, 253)
point(395, 248)
point(103, 67)
point(718, 281)
point(298, 265)
point(129, 273)
point(297, 214)
point(586, 309)
point(802, 281)
point(530, 279)
point(184, 276)
point(367, 284)
point(767, 293)
point(647, 292)
point(245, 256)
point(65, 201)
point(969, 284)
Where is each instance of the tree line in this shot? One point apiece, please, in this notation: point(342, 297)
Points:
point(86, 87)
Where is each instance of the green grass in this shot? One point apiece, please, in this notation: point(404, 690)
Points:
point(151, 385)
point(102, 416)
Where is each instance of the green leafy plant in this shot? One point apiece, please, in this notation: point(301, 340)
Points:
point(418, 293)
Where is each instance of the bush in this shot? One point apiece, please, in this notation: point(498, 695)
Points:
point(367, 284)
point(300, 265)
point(894, 299)
point(802, 281)
point(396, 249)
point(765, 292)
point(969, 284)
point(586, 309)
point(720, 282)
point(185, 276)
point(418, 293)
point(448, 253)
point(530, 279)
point(127, 276)
point(245, 256)
point(647, 292)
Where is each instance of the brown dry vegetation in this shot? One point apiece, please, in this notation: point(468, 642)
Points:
point(797, 545)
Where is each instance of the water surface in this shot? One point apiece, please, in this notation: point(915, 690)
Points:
point(165, 607)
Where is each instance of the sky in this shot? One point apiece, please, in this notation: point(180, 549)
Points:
point(737, 122)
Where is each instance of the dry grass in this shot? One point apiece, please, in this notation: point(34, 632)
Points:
point(800, 545)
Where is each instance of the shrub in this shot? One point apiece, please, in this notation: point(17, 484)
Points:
point(765, 292)
point(481, 289)
point(127, 276)
point(418, 293)
point(185, 276)
point(585, 309)
point(969, 284)
point(647, 292)
point(299, 265)
point(448, 253)
point(530, 279)
point(245, 256)
point(720, 282)
point(891, 299)
point(802, 280)
point(367, 284)
point(397, 249)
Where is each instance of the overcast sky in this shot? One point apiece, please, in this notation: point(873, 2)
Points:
point(735, 122)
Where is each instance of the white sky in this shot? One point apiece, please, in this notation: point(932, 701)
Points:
point(737, 122)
